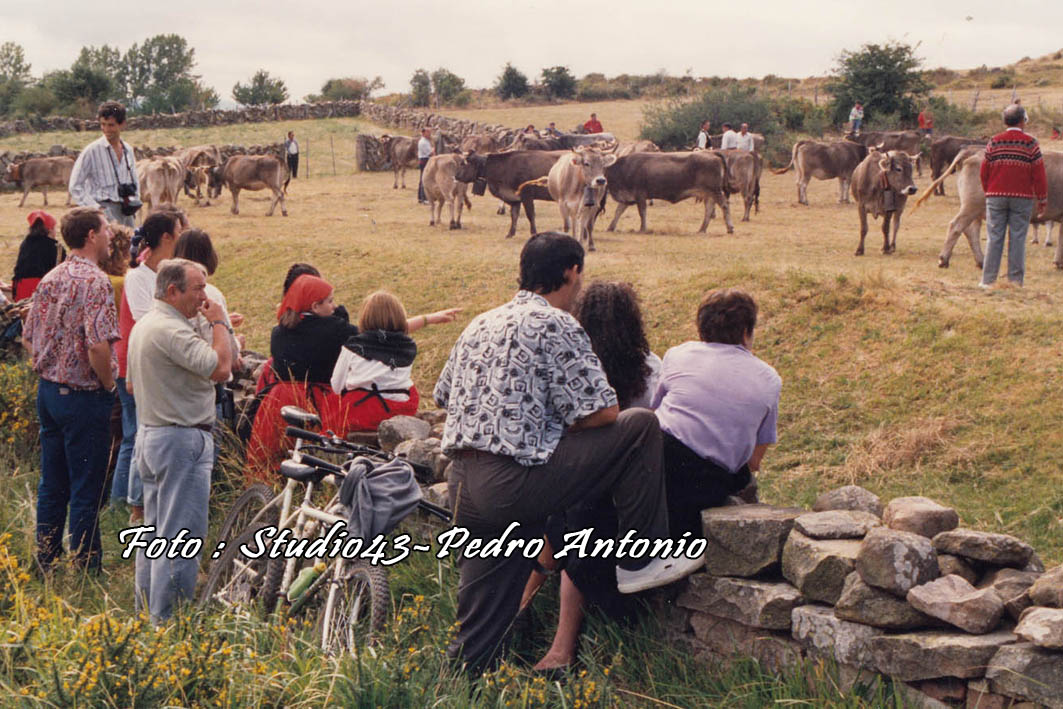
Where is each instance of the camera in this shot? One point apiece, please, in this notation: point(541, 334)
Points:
point(127, 192)
point(126, 189)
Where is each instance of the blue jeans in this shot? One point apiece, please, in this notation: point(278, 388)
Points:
point(857, 122)
point(1013, 215)
point(126, 484)
point(75, 444)
point(174, 463)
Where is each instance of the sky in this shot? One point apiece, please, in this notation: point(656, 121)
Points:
point(305, 43)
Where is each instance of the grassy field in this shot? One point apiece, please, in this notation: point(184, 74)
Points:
point(898, 376)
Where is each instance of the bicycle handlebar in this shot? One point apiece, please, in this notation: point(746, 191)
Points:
point(319, 463)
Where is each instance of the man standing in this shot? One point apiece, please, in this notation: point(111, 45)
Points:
point(69, 331)
point(291, 149)
point(593, 125)
point(533, 426)
point(171, 372)
point(744, 139)
point(424, 151)
point(1013, 177)
point(729, 140)
point(105, 175)
point(856, 118)
point(926, 123)
point(704, 141)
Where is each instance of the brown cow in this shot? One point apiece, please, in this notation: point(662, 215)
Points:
point(639, 146)
point(253, 172)
point(578, 182)
point(440, 187)
point(160, 179)
point(908, 141)
point(881, 185)
point(944, 150)
point(43, 173)
point(504, 173)
point(673, 177)
point(744, 168)
point(480, 143)
point(824, 161)
point(402, 153)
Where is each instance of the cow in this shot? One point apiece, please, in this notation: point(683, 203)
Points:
point(968, 221)
point(43, 173)
point(673, 177)
point(161, 179)
point(253, 172)
point(944, 150)
point(881, 185)
point(744, 168)
point(577, 182)
point(504, 173)
point(401, 152)
point(908, 141)
point(196, 177)
point(565, 141)
point(639, 146)
point(198, 156)
point(824, 161)
point(758, 141)
point(480, 143)
point(441, 187)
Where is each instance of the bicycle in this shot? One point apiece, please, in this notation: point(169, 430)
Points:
point(356, 603)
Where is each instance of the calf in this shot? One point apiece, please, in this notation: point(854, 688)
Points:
point(881, 185)
point(161, 179)
point(441, 187)
point(43, 173)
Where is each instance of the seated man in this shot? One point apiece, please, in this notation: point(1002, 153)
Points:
point(718, 405)
point(533, 427)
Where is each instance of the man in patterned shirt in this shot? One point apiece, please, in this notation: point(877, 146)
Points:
point(69, 331)
point(533, 427)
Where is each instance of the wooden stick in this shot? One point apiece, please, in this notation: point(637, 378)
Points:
point(332, 148)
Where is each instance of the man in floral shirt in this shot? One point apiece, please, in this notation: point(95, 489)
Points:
point(533, 427)
point(69, 331)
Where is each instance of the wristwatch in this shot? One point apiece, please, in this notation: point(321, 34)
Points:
point(223, 324)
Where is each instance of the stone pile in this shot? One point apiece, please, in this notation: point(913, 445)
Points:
point(954, 616)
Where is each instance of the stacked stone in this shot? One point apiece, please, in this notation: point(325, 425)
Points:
point(899, 591)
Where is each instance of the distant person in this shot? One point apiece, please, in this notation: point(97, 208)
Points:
point(593, 125)
point(530, 130)
point(105, 174)
point(704, 140)
point(1056, 135)
point(729, 139)
point(552, 131)
point(424, 151)
point(38, 254)
point(744, 139)
point(70, 331)
point(856, 118)
point(172, 372)
point(926, 123)
point(1013, 178)
point(291, 149)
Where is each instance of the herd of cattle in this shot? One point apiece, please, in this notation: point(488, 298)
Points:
point(577, 171)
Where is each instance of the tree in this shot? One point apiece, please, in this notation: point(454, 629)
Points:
point(79, 83)
point(351, 88)
point(420, 88)
point(35, 101)
point(886, 78)
point(559, 82)
point(154, 76)
point(261, 89)
point(13, 66)
point(446, 85)
point(512, 83)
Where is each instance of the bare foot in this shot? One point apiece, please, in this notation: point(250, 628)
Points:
point(137, 515)
point(553, 660)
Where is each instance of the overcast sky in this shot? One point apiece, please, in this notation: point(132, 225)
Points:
point(304, 43)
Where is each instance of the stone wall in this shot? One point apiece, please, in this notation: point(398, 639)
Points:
point(193, 119)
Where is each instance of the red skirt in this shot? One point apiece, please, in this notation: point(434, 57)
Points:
point(24, 288)
point(268, 446)
point(365, 414)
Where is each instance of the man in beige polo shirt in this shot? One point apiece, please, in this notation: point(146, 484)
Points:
point(171, 373)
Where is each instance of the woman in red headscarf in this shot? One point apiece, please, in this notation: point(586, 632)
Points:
point(38, 254)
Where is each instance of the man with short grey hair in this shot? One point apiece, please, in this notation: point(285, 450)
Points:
point(171, 374)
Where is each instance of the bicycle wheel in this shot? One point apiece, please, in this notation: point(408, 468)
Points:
point(250, 502)
point(238, 581)
point(356, 609)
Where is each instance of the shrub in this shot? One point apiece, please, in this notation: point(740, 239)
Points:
point(511, 83)
point(674, 124)
point(420, 88)
point(1002, 81)
point(18, 408)
point(558, 82)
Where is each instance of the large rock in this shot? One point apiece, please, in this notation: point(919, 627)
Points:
point(936, 653)
point(1042, 626)
point(745, 540)
point(397, 429)
point(957, 602)
point(836, 524)
point(949, 564)
point(820, 631)
point(1028, 672)
point(865, 604)
point(1009, 583)
point(818, 567)
point(850, 497)
point(724, 638)
point(438, 494)
point(760, 604)
point(919, 515)
point(1048, 590)
point(995, 549)
point(896, 561)
point(981, 696)
point(423, 451)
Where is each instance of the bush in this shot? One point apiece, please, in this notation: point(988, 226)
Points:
point(420, 88)
point(35, 101)
point(1002, 82)
point(512, 83)
point(558, 82)
point(463, 99)
point(673, 125)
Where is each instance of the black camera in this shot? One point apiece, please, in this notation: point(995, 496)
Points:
point(126, 189)
point(127, 192)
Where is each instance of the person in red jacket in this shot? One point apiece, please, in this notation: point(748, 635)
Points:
point(926, 123)
point(1013, 178)
point(593, 125)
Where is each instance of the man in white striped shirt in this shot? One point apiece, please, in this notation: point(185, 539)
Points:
point(103, 165)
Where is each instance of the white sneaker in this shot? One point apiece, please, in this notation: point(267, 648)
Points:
point(985, 286)
point(659, 572)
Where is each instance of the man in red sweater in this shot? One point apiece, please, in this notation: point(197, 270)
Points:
point(593, 125)
point(1013, 178)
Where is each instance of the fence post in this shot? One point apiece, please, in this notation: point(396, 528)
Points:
point(332, 148)
point(974, 100)
point(308, 158)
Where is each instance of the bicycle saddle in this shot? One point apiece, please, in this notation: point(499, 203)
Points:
point(301, 473)
point(298, 417)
